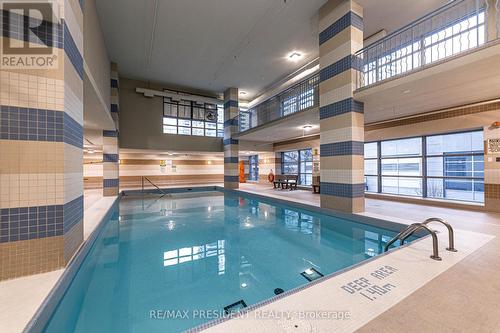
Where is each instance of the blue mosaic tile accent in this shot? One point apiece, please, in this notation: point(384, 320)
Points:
point(114, 108)
point(73, 132)
point(114, 83)
point(231, 179)
point(110, 182)
point(348, 62)
point(341, 107)
point(343, 190)
point(231, 103)
point(39, 125)
point(25, 223)
point(72, 51)
point(230, 142)
point(110, 134)
point(47, 34)
point(82, 3)
point(231, 122)
point(110, 158)
point(73, 213)
point(342, 148)
point(345, 21)
point(231, 159)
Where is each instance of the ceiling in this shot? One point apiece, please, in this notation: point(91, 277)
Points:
point(216, 44)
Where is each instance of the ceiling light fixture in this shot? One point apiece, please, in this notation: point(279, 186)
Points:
point(307, 127)
point(406, 91)
point(243, 92)
point(294, 56)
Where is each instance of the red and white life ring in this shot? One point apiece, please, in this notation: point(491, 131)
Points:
point(270, 177)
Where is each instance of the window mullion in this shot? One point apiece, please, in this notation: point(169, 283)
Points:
point(424, 166)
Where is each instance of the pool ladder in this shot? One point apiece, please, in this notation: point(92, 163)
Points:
point(412, 228)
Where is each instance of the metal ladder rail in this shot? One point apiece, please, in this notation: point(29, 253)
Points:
point(411, 229)
point(159, 189)
point(451, 237)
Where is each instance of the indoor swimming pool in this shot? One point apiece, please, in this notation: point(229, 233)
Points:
point(171, 263)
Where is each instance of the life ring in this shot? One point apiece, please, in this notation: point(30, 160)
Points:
point(270, 177)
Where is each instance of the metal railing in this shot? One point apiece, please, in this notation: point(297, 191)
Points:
point(302, 96)
point(413, 228)
point(457, 27)
point(149, 181)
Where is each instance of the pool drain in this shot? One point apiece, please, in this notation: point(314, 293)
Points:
point(278, 291)
point(235, 307)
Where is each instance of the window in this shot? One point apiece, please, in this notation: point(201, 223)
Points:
point(448, 166)
point(458, 36)
point(298, 162)
point(193, 118)
point(253, 168)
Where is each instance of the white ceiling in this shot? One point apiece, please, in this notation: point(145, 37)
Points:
point(216, 44)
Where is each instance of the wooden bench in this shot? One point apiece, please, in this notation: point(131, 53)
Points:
point(286, 182)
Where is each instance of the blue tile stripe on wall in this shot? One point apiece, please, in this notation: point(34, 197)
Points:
point(110, 158)
point(342, 148)
point(343, 190)
point(231, 122)
point(25, 223)
point(230, 159)
point(114, 83)
point(72, 51)
point(110, 134)
point(230, 142)
point(39, 125)
point(348, 19)
point(348, 62)
point(231, 104)
point(60, 37)
point(341, 107)
point(110, 182)
point(15, 22)
point(73, 213)
point(114, 108)
point(231, 179)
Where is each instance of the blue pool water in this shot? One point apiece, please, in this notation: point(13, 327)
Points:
point(203, 251)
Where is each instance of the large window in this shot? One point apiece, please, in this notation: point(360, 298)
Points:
point(448, 166)
point(298, 162)
point(192, 118)
point(458, 36)
point(253, 168)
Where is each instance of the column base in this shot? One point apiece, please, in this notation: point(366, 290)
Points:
point(343, 204)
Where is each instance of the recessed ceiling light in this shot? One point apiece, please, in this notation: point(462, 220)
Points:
point(307, 127)
point(243, 92)
point(294, 56)
point(244, 285)
point(170, 154)
point(406, 91)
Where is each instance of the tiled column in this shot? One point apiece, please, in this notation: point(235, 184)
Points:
point(110, 149)
point(491, 172)
point(115, 100)
point(110, 165)
point(341, 117)
point(41, 141)
point(231, 179)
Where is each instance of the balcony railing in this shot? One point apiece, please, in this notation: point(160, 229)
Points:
point(457, 27)
point(302, 96)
